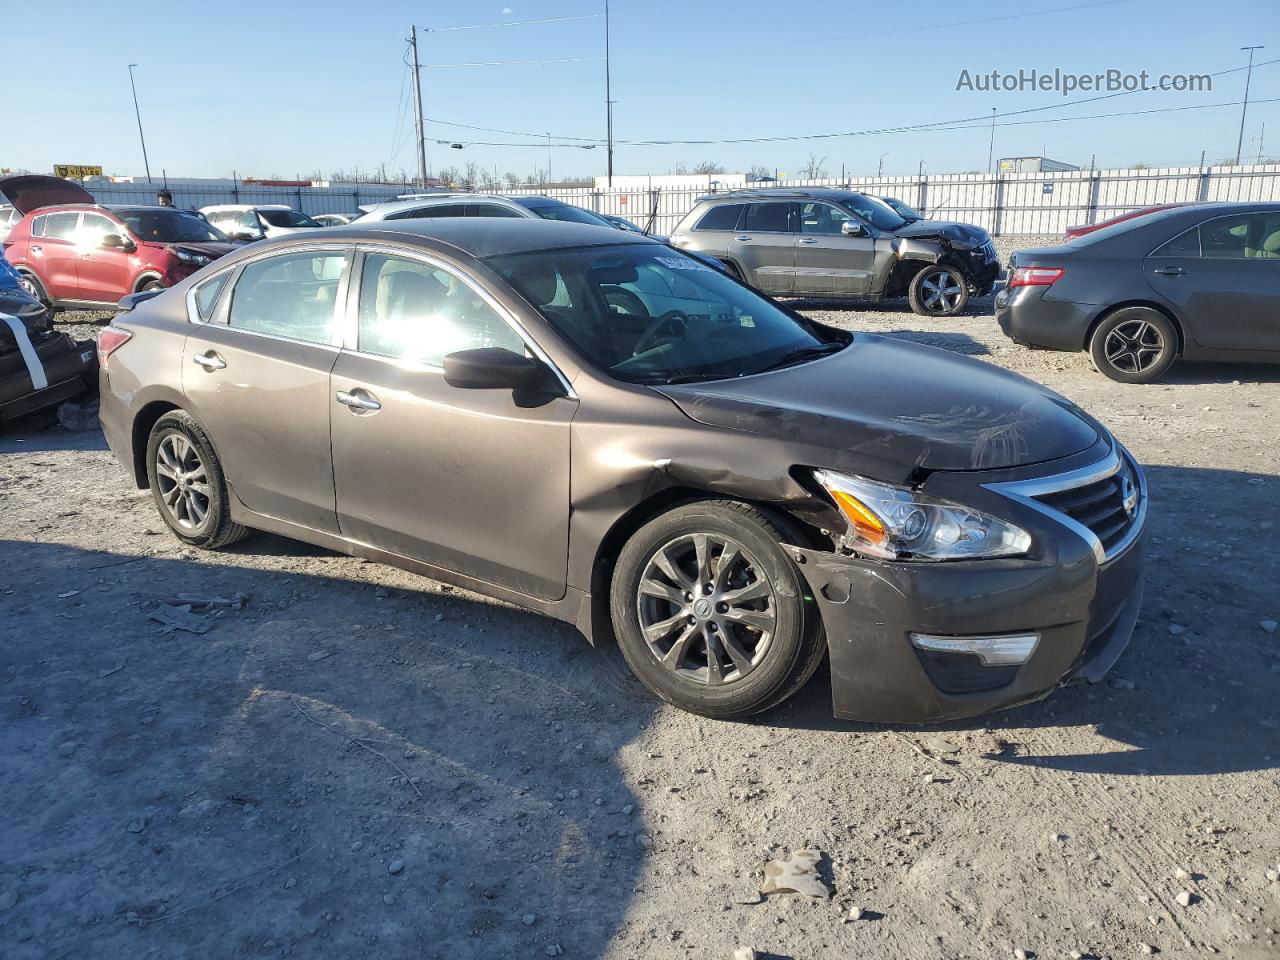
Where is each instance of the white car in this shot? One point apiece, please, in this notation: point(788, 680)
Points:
point(416, 206)
point(245, 221)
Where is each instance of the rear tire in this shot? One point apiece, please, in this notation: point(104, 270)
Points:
point(938, 290)
point(32, 285)
point(742, 646)
point(150, 285)
point(188, 485)
point(1134, 345)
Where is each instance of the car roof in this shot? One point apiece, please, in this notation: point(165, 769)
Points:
point(433, 200)
point(482, 237)
point(247, 206)
point(783, 193)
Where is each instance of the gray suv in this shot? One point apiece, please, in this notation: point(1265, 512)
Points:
point(838, 243)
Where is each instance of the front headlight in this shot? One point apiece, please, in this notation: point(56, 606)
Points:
point(900, 524)
point(193, 259)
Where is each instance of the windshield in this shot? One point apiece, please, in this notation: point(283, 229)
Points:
point(876, 212)
point(286, 218)
point(555, 210)
point(648, 314)
point(169, 226)
point(906, 211)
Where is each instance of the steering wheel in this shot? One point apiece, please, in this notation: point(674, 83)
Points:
point(649, 338)
point(623, 301)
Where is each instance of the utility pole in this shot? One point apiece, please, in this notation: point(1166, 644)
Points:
point(991, 147)
point(417, 104)
point(608, 98)
point(1262, 135)
point(548, 158)
point(1245, 105)
point(137, 113)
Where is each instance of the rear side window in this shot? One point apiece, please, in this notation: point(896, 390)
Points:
point(723, 217)
point(410, 310)
point(768, 217)
point(206, 296)
point(439, 210)
point(56, 226)
point(289, 296)
point(1185, 244)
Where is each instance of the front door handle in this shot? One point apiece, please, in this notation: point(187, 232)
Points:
point(742, 238)
point(357, 400)
point(1171, 271)
point(36, 248)
point(809, 240)
point(209, 360)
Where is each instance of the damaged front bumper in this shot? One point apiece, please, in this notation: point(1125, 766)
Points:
point(48, 369)
point(1081, 613)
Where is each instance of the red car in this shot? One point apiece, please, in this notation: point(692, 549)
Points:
point(73, 253)
point(1081, 229)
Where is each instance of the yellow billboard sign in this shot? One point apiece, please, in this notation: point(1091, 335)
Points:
point(76, 171)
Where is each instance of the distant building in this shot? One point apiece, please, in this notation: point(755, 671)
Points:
point(1034, 165)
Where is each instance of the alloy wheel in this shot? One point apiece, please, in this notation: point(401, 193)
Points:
point(706, 610)
point(1134, 346)
point(183, 481)
point(940, 291)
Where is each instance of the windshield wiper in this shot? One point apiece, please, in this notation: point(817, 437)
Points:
point(801, 354)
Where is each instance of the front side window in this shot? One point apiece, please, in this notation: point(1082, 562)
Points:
point(410, 310)
point(768, 217)
point(645, 313)
point(876, 212)
point(93, 227)
point(822, 219)
point(723, 217)
point(287, 218)
point(292, 296)
point(439, 210)
point(490, 210)
point(1253, 236)
point(556, 210)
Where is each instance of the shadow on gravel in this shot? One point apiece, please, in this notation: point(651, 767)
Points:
point(976, 307)
point(1197, 690)
point(338, 769)
point(1192, 373)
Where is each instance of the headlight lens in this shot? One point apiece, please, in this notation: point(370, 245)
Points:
point(194, 259)
point(895, 523)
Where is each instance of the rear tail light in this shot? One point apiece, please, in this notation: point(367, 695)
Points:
point(111, 339)
point(1035, 276)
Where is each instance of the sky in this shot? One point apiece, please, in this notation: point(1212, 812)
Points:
point(281, 89)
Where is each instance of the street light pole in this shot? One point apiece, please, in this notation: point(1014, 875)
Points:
point(138, 113)
point(548, 159)
point(991, 146)
point(1245, 105)
point(417, 103)
point(608, 97)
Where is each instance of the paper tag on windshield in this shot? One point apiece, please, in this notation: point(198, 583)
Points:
point(683, 263)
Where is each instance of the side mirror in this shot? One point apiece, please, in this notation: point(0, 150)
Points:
point(852, 228)
point(492, 368)
point(113, 241)
point(246, 235)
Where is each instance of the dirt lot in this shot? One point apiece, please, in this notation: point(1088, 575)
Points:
point(360, 763)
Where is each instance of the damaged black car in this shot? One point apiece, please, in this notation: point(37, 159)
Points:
point(39, 367)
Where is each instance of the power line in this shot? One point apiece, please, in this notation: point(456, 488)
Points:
point(941, 127)
point(500, 63)
point(984, 118)
point(516, 23)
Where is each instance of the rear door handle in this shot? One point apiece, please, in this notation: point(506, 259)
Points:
point(1171, 271)
point(209, 360)
point(742, 238)
point(357, 400)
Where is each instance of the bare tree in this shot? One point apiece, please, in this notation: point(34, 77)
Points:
point(513, 179)
point(757, 172)
point(813, 168)
point(472, 175)
point(708, 167)
point(450, 176)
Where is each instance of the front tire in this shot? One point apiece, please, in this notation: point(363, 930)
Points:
point(1134, 345)
point(710, 613)
point(187, 483)
point(938, 291)
point(31, 284)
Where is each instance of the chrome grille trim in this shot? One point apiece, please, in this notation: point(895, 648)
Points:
point(1026, 491)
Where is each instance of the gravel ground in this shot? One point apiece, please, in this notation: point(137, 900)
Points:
point(354, 762)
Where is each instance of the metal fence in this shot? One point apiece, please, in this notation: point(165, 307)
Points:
point(1011, 203)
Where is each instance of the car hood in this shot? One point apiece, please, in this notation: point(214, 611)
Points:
point(213, 249)
point(31, 191)
point(904, 405)
point(964, 234)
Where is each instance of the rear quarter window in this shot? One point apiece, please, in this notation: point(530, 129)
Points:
point(722, 217)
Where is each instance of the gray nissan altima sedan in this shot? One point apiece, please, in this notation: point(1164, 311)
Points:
point(595, 426)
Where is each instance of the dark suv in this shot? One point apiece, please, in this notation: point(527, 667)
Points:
point(838, 243)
